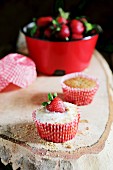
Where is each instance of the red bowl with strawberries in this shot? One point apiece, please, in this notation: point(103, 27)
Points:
point(60, 46)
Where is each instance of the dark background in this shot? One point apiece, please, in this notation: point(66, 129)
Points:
point(16, 13)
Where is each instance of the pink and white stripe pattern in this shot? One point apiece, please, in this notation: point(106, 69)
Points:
point(79, 96)
point(57, 133)
point(17, 69)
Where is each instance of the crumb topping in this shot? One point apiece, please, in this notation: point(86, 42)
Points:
point(80, 82)
point(45, 116)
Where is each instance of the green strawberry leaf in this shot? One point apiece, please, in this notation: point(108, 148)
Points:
point(54, 22)
point(98, 28)
point(88, 26)
point(63, 14)
point(58, 28)
point(80, 17)
point(52, 27)
point(44, 103)
point(34, 19)
point(33, 30)
point(50, 96)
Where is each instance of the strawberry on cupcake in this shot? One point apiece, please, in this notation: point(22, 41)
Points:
point(56, 121)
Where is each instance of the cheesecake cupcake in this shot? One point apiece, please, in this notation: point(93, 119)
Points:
point(79, 88)
point(56, 121)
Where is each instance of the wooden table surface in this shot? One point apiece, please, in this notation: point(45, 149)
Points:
point(91, 149)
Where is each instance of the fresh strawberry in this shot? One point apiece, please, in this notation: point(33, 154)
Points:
point(64, 32)
point(37, 34)
point(83, 19)
point(93, 31)
point(77, 36)
point(77, 26)
point(55, 104)
point(61, 20)
point(44, 21)
point(47, 32)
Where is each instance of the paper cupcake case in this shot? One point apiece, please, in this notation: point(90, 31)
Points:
point(76, 95)
point(3, 83)
point(17, 69)
point(57, 133)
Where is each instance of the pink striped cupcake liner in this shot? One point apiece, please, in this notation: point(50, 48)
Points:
point(17, 69)
point(57, 133)
point(79, 96)
point(3, 83)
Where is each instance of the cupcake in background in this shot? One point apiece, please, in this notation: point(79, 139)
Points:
point(79, 88)
point(56, 121)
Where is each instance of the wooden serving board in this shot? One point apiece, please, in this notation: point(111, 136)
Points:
point(21, 145)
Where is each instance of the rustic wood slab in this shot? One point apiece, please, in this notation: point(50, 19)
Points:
point(90, 149)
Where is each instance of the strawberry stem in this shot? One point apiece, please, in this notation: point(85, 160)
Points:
point(55, 95)
point(48, 102)
point(50, 97)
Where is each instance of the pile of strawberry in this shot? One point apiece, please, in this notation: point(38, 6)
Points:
point(62, 28)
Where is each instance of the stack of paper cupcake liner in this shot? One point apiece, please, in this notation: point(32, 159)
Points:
point(17, 69)
point(76, 95)
point(57, 133)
